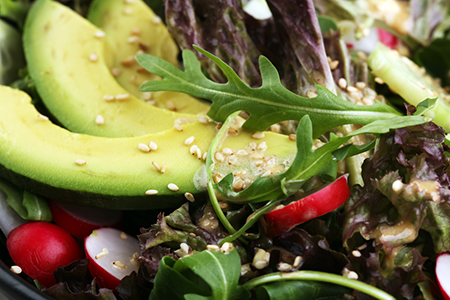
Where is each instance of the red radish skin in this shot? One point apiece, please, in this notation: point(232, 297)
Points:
point(120, 247)
point(387, 38)
point(81, 220)
point(39, 248)
point(443, 274)
point(317, 204)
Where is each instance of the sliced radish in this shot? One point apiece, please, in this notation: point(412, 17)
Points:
point(112, 255)
point(443, 274)
point(40, 247)
point(312, 206)
point(80, 220)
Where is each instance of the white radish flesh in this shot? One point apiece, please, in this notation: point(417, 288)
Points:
point(443, 274)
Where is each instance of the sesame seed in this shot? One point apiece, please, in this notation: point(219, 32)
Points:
point(171, 106)
point(193, 149)
point(16, 269)
point(173, 187)
point(297, 261)
point(128, 62)
point(262, 146)
point(257, 156)
point(156, 20)
point(116, 71)
point(252, 146)
point(219, 157)
point(233, 159)
point(227, 151)
point(178, 127)
point(99, 120)
point(127, 10)
point(311, 94)
point(258, 135)
point(45, 118)
point(189, 140)
point(242, 152)
point(151, 192)
point(123, 235)
point(203, 120)
point(133, 39)
point(163, 167)
point(102, 254)
point(184, 247)
point(275, 128)
point(153, 146)
point(283, 267)
point(205, 155)
point(93, 56)
point(226, 247)
point(99, 34)
point(136, 31)
point(189, 197)
point(259, 163)
point(199, 153)
point(356, 253)
point(360, 85)
point(349, 274)
point(122, 96)
point(80, 162)
point(118, 264)
point(108, 97)
point(397, 186)
point(292, 136)
point(156, 166)
point(240, 173)
point(143, 147)
point(342, 83)
point(352, 89)
point(267, 174)
point(147, 96)
point(192, 234)
point(238, 184)
point(378, 80)
point(334, 64)
point(212, 247)
point(218, 126)
point(232, 131)
point(217, 177)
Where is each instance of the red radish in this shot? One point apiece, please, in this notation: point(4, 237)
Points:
point(80, 220)
point(387, 38)
point(314, 205)
point(40, 247)
point(112, 255)
point(443, 274)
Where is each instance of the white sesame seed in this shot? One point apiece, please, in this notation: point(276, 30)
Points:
point(129, 61)
point(242, 152)
point(127, 10)
point(283, 267)
point(189, 197)
point(99, 34)
point(311, 94)
point(163, 167)
point(16, 269)
point(133, 39)
point(93, 57)
point(238, 184)
point(118, 264)
point(156, 20)
point(45, 118)
point(173, 187)
point(108, 97)
point(151, 192)
point(156, 166)
point(352, 89)
point(102, 254)
point(203, 120)
point(232, 131)
point(259, 163)
point(123, 235)
point(262, 146)
point(193, 149)
point(233, 159)
point(226, 247)
point(227, 151)
point(143, 147)
point(116, 72)
point(360, 85)
point(212, 247)
point(171, 106)
point(178, 127)
point(297, 261)
point(258, 135)
point(252, 146)
point(189, 140)
point(260, 264)
point(205, 155)
point(153, 146)
point(217, 177)
point(257, 155)
point(356, 253)
point(219, 157)
point(334, 64)
point(342, 83)
point(349, 274)
point(80, 162)
point(240, 173)
point(199, 153)
point(147, 96)
point(99, 120)
point(397, 186)
point(267, 174)
point(122, 97)
point(378, 80)
point(136, 31)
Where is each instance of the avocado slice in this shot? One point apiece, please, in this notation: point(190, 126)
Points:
point(45, 159)
point(130, 28)
point(67, 61)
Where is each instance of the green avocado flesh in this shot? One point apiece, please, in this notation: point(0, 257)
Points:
point(68, 64)
point(41, 157)
point(133, 28)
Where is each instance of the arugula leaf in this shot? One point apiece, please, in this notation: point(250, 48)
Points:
point(306, 164)
point(271, 103)
point(204, 275)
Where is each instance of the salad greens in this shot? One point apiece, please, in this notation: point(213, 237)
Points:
point(305, 71)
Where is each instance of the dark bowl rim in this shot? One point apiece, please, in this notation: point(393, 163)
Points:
point(17, 288)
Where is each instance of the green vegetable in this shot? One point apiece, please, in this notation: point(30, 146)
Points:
point(326, 111)
point(11, 53)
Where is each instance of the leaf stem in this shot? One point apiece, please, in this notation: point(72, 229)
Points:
point(322, 277)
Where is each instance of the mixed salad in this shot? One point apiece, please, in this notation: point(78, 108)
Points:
point(338, 186)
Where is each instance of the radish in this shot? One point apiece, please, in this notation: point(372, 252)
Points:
point(443, 274)
point(40, 247)
point(80, 220)
point(314, 205)
point(112, 255)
